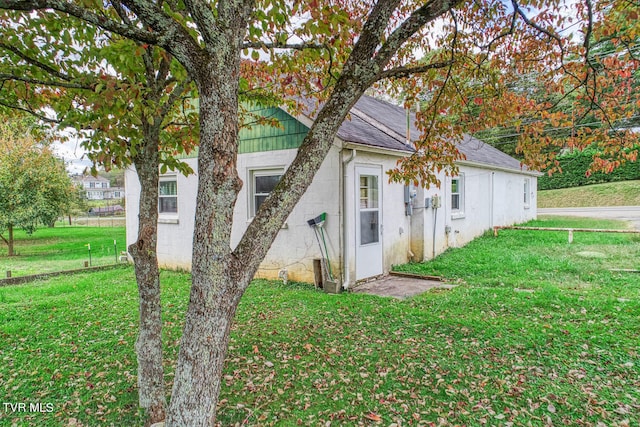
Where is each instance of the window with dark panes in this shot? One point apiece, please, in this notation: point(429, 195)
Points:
point(168, 195)
point(263, 182)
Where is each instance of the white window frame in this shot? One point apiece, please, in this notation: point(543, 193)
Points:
point(527, 193)
point(253, 173)
point(167, 214)
point(459, 211)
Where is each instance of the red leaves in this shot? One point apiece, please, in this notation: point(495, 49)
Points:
point(373, 417)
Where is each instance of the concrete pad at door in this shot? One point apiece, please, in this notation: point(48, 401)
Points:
point(399, 287)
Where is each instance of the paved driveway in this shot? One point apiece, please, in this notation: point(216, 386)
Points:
point(630, 214)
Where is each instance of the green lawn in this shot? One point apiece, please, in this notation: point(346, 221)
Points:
point(542, 260)
point(534, 334)
point(625, 193)
point(62, 248)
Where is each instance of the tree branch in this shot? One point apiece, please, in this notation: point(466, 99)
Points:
point(52, 83)
point(439, 94)
point(401, 72)
point(418, 19)
point(30, 111)
point(83, 14)
point(204, 19)
point(172, 35)
point(164, 68)
point(174, 96)
point(520, 12)
point(280, 45)
point(506, 33)
point(36, 63)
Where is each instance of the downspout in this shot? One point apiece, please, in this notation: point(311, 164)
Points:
point(345, 222)
point(433, 238)
point(491, 196)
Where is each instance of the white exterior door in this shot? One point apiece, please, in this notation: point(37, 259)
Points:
point(368, 222)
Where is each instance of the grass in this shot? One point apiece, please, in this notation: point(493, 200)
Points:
point(483, 353)
point(625, 193)
point(62, 248)
point(536, 259)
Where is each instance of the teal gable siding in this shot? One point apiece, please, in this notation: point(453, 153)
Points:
point(259, 137)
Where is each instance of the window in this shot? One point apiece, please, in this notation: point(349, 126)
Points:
point(457, 195)
point(168, 195)
point(369, 210)
point(262, 183)
point(527, 191)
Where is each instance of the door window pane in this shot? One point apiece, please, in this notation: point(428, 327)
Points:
point(368, 192)
point(369, 227)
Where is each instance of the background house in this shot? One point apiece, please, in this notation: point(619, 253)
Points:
point(98, 188)
point(371, 224)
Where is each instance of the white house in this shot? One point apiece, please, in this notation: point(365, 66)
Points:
point(371, 224)
point(98, 188)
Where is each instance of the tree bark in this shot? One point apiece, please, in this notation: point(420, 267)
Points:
point(214, 291)
point(10, 241)
point(151, 389)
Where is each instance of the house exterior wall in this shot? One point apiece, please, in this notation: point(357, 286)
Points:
point(294, 248)
point(491, 198)
point(396, 226)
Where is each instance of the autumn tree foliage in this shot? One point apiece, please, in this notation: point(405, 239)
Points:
point(462, 60)
point(131, 104)
point(34, 186)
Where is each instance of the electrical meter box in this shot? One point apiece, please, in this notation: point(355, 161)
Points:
point(435, 202)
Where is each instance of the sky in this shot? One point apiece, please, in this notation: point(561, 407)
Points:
point(73, 154)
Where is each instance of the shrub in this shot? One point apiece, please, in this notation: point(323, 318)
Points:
point(574, 172)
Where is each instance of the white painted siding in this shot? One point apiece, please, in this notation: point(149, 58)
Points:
point(295, 246)
point(491, 197)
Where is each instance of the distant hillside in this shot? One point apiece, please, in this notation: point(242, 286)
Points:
point(624, 193)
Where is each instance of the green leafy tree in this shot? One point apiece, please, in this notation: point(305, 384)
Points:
point(129, 102)
point(34, 186)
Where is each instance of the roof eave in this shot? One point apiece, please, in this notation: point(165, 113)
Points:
point(498, 168)
point(374, 149)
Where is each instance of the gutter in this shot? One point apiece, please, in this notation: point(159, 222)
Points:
point(498, 168)
point(375, 150)
point(345, 221)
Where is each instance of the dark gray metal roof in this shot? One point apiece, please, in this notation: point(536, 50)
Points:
point(394, 118)
point(380, 124)
point(478, 151)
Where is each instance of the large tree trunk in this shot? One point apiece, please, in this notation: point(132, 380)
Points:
point(10, 241)
point(214, 291)
point(219, 275)
point(151, 387)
